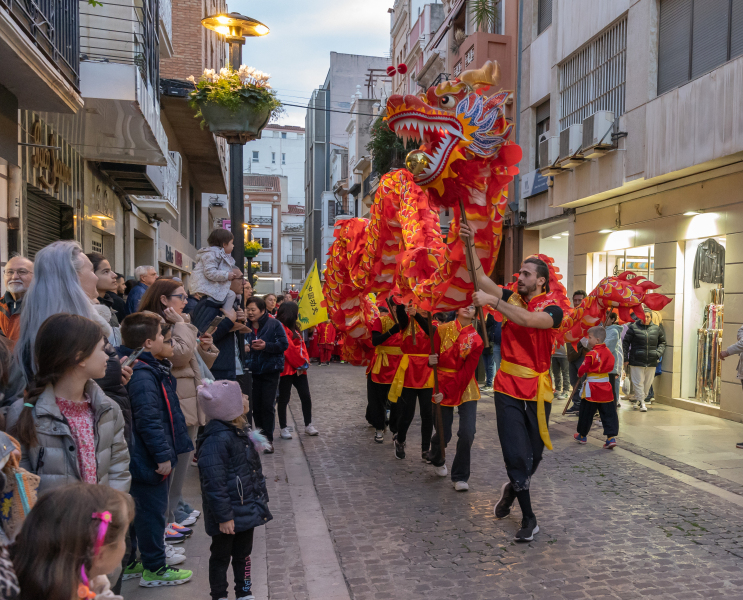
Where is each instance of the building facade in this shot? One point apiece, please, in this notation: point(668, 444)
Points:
point(643, 103)
point(263, 198)
point(326, 154)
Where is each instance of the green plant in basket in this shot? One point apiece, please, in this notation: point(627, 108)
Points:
point(252, 248)
point(234, 90)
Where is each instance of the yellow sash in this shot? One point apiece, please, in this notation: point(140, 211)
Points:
point(544, 393)
point(380, 357)
point(399, 381)
point(471, 392)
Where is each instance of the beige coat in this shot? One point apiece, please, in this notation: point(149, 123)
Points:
point(186, 369)
point(737, 348)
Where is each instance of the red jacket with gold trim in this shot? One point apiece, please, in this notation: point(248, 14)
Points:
point(597, 365)
point(387, 355)
point(459, 349)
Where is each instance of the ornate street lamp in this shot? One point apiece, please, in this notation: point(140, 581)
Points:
point(236, 27)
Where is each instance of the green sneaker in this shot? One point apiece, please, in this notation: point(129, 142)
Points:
point(165, 576)
point(133, 570)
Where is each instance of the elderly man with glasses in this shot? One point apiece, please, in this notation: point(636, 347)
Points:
point(19, 272)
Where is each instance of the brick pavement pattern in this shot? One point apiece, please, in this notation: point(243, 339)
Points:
point(610, 528)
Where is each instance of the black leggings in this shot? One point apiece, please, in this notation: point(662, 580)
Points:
point(406, 413)
point(377, 409)
point(285, 392)
point(226, 548)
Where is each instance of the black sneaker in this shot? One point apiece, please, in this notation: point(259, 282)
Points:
point(399, 449)
point(268, 449)
point(379, 436)
point(528, 528)
point(507, 497)
point(426, 457)
point(573, 410)
point(739, 445)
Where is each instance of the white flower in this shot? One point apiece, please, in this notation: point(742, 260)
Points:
point(191, 79)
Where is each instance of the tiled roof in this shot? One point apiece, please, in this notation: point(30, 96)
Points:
point(268, 183)
point(295, 209)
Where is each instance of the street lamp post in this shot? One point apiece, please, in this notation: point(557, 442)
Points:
point(236, 28)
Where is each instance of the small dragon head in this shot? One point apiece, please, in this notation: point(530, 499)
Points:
point(454, 121)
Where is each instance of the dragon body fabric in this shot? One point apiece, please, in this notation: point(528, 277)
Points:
point(465, 160)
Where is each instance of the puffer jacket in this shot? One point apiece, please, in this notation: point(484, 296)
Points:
point(224, 339)
point(271, 358)
point(211, 275)
point(644, 345)
point(614, 344)
point(111, 385)
point(159, 432)
point(186, 369)
point(54, 459)
point(232, 483)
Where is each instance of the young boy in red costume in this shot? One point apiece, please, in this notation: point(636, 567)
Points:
point(597, 391)
point(458, 349)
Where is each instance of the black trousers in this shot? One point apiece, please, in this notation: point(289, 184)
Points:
point(264, 396)
point(285, 392)
point(608, 413)
point(406, 413)
point(460, 467)
point(518, 430)
point(377, 394)
point(226, 547)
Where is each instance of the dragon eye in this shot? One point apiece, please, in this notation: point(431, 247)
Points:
point(448, 101)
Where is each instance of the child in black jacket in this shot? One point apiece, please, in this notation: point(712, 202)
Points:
point(233, 487)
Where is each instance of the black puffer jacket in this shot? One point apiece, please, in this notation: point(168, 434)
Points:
point(644, 344)
point(232, 483)
point(271, 358)
point(111, 385)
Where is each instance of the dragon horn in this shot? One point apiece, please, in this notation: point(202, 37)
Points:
point(486, 76)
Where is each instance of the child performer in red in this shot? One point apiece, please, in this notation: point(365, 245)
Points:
point(458, 349)
point(313, 347)
point(597, 391)
point(326, 340)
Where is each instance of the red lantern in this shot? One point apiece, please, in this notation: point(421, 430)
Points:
point(402, 68)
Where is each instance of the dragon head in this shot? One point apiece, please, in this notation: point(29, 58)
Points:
point(454, 121)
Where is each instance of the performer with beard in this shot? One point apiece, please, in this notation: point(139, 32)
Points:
point(523, 387)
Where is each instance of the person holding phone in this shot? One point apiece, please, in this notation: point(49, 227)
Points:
point(265, 344)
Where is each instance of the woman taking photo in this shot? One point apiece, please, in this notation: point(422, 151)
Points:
point(296, 363)
point(167, 298)
point(65, 420)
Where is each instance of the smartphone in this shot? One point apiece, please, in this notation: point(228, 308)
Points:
point(132, 357)
point(214, 324)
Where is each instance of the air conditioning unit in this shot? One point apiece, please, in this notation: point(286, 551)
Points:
point(549, 152)
point(571, 144)
point(597, 130)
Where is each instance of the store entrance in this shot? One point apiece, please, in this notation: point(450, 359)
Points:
point(704, 297)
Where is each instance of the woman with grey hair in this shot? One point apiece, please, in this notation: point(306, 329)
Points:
point(62, 274)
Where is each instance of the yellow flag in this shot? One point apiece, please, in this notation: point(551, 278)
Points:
point(310, 311)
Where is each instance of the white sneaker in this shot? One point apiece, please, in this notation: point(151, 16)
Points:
point(441, 471)
point(174, 558)
point(461, 486)
point(174, 549)
point(249, 597)
point(311, 430)
point(643, 408)
point(195, 513)
point(189, 520)
point(286, 433)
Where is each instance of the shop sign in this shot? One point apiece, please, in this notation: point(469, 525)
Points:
point(51, 170)
point(227, 224)
point(178, 259)
point(168, 254)
point(102, 201)
point(533, 183)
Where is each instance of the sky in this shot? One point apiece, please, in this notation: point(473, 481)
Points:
point(303, 33)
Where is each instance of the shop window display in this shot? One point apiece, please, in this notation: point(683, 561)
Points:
point(703, 312)
point(639, 260)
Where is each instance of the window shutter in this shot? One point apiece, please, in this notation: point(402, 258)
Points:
point(736, 29)
point(674, 43)
point(545, 15)
point(710, 35)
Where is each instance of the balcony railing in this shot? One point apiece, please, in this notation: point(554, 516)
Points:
point(295, 259)
point(125, 32)
point(261, 220)
point(54, 26)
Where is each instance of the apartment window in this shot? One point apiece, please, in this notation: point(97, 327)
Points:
point(457, 69)
point(266, 266)
point(255, 155)
point(544, 18)
point(469, 56)
point(283, 158)
point(273, 158)
point(297, 274)
point(594, 78)
point(283, 135)
point(696, 36)
point(543, 126)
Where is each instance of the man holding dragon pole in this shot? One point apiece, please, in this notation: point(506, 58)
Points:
point(523, 387)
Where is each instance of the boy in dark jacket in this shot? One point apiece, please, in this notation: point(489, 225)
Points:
point(265, 344)
point(233, 487)
point(159, 435)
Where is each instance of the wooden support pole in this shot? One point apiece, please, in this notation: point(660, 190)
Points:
point(471, 268)
point(438, 417)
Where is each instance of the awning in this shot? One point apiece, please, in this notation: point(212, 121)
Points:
point(198, 145)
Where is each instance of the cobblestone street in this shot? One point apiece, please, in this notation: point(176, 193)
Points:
point(630, 523)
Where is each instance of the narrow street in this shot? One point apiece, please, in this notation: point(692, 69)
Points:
point(659, 517)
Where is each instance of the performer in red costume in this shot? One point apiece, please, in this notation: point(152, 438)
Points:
point(413, 384)
point(523, 386)
point(382, 369)
point(326, 340)
point(458, 349)
point(597, 392)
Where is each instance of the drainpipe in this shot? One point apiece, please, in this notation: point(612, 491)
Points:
point(518, 202)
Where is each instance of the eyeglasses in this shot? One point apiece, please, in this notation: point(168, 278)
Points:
point(181, 296)
point(19, 272)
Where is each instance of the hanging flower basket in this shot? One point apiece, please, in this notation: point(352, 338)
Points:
point(252, 249)
point(235, 105)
